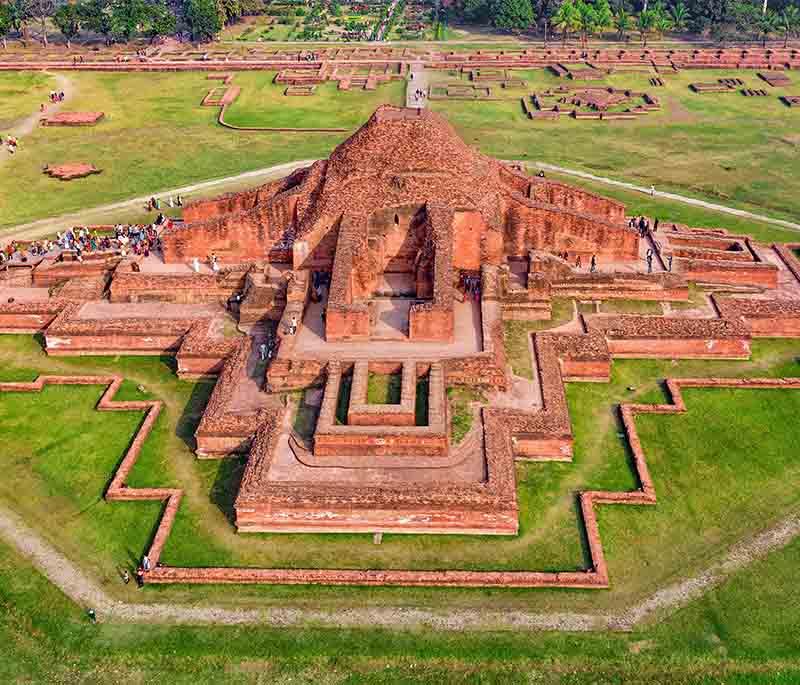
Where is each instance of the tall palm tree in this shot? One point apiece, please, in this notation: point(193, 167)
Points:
point(644, 25)
point(587, 21)
point(622, 22)
point(679, 14)
point(790, 22)
point(566, 19)
point(661, 22)
point(768, 24)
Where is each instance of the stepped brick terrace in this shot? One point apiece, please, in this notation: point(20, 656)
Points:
point(395, 263)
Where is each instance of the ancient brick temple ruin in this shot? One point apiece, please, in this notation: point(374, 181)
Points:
point(398, 262)
point(403, 204)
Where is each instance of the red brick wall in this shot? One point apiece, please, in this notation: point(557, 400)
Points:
point(759, 275)
point(58, 345)
point(24, 323)
point(572, 369)
point(400, 520)
point(352, 443)
point(679, 348)
point(347, 324)
point(544, 448)
point(540, 227)
point(468, 228)
point(431, 324)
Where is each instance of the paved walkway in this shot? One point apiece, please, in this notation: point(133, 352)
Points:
point(84, 591)
point(417, 80)
point(668, 196)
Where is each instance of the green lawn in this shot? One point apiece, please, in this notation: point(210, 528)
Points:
point(262, 103)
point(460, 398)
point(741, 633)
point(155, 136)
point(726, 148)
point(384, 388)
point(630, 307)
point(711, 490)
point(735, 150)
point(21, 94)
point(517, 333)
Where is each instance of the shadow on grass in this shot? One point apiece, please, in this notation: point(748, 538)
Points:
point(226, 485)
point(193, 412)
point(582, 534)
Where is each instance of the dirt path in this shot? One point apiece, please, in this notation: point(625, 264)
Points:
point(84, 591)
point(30, 123)
point(46, 227)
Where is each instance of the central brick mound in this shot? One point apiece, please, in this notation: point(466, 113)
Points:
point(71, 170)
point(73, 119)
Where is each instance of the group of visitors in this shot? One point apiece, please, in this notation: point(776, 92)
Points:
point(21, 252)
point(269, 348)
point(471, 286)
point(57, 96)
point(77, 59)
point(319, 280)
point(139, 239)
point(642, 224)
point(154, 203)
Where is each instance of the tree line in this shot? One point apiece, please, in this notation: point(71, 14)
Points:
point(123, 20)
point(719, 19)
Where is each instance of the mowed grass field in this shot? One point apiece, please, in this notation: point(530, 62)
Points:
point(157, 136)
point(741, 633)
point(21, 95)
point(723, 147)
point(726, 148)
point(712, 492)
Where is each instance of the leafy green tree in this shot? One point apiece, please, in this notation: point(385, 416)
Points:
point(789, 23)
point(680, 16)
point(67, 19)
point(513, 14)
point(229, 11)
point(203, 19)
point(623, 23)
point(96, 17)
point(644, 25)
point(127, 18)
point(478, 11)
point(587, 20)
point(5, 24)
point(662, 22)
point(603, 15)
point(567, 19)
point(20, 12)
point(160, 21)
point(768, 24)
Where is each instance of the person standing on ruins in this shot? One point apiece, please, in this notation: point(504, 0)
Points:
point(593, 264)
